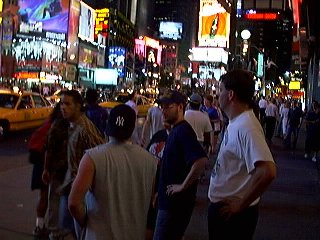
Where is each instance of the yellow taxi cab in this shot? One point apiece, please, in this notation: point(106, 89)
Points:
point(22, 110)
point(142, 102)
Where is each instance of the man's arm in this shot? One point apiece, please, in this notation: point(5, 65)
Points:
point(145, 129)
point(262, 176)
point(196, 170)
point(80, 187)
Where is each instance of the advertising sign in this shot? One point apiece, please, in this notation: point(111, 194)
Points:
point(214, 24)
point(116, 59)
point(260, 70)
point(106, 76)
point(86, 24)
point(28, 54)
point(87, 58)
point(47, 18)
point(52, 57)
point(7, 33)
point(101, 23)
point(209, 55)
point(73, 41)
point(170, 30)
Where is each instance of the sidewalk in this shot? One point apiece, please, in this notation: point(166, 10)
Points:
point(290, 209)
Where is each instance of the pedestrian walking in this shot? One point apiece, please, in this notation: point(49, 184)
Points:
point(182, 163)
point(294, 122)
point(271, 119)
point(55, 168)
point(200, 122)
point(156, 148)
point(37, 150)
point(112, 191)
point(152, 124)
point(312, 121)
point(263, 103)
point(97, 114)
point(82, 135)
point(132, 103)
point(244, 167)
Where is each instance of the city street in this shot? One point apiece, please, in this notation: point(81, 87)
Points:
point(290, 209)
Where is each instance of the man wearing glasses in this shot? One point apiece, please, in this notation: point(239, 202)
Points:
point(182, 163)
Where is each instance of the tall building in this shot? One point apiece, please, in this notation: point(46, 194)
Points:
point(270, 24)
point(178, 11)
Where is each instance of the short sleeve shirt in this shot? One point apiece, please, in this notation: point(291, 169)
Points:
point(181, 150)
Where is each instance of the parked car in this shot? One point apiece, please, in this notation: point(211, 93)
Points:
point(22, 110)
point(142, 102)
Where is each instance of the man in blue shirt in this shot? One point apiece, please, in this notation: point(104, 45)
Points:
point(182, 164)
point(97, 114)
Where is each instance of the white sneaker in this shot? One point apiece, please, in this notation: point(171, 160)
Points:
point(314, 159)
point(305, 155)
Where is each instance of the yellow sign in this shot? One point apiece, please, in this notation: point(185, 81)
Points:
point(1, 9)
point(101, 22)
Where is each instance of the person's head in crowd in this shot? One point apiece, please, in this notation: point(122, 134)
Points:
point(71, 104)
point(91, 96)
point(173, 104)
point(195, 101)
point(132, 96)
point(237, 88)
point(208, 100)
point(121, 122)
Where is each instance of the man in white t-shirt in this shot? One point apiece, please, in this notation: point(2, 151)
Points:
point(244, 167)
point(199, 121)
point(263, 103)
point(152, 124)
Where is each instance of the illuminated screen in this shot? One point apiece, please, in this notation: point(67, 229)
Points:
point(294, 85)
point(106, 76)
point(86, 25)
point(73, 41)
point(52, 14)
point(170, 30)
point(116, 59)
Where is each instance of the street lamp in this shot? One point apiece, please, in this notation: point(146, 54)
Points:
point(245, 35)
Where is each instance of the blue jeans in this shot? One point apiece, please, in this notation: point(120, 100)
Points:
point(65, 218)
point(171, 225)
point(66, 221)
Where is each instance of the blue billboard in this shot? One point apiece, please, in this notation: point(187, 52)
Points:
point(116, 59)
point(39, 16)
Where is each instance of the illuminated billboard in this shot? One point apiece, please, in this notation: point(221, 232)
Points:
point(87, 58)
point(170, 30)
point(28, 54)
point(295, 85)
point(73, 40)
point(86, 24)
point(204, 54)
point(106, 76)
point(214, 24)
point(101, 23)
point(47, 18)
point(116, 59)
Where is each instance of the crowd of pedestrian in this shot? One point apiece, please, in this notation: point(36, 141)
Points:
point(97, 177)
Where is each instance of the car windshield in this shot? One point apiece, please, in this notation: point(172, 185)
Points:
point(8, 100)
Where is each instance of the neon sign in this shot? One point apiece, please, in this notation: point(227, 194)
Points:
point(261, 16)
